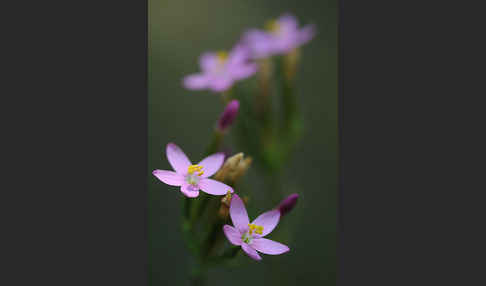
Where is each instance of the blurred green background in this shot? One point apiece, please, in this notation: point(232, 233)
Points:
point(179, 30)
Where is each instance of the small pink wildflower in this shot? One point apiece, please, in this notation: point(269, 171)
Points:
point(221, 70)
point(280, 37)
point(192, 178)
point(250, 235)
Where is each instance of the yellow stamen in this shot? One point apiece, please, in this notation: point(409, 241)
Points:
point(272, 26)
point(258, 229)
point(195, 168)
point(222, 56)
point(226, 200)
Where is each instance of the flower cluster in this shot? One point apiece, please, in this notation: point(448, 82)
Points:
point(192, 178)
point(280, 36)
point(211, 188)
point(220, 70)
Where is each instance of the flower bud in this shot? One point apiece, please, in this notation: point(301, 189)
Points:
point(229, 114)
point(228, 166)
point(288, 204)
point(225, 205)
point(240, 169)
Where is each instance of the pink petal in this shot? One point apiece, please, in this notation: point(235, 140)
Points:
point(254, 36)
point(268, 246)
point(196, 81)
point(238, 214)
point(233, 235)
point(268, 220)
point(214, 187)
point(250, 251)
point(259, 42)
point(189, 191)
point(208, 61)
point(177, 159)
point(211, 164)
point(243, 71)
point(288, 21)
point(169, 177)
point(306, 34)
point(220, 83)
point(239, 54)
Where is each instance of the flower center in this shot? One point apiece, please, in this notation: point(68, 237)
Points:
point(247, 237)
point(222, 57)
point(193, 178)
point(258, 229)
point(272, 26)
point(195, 168)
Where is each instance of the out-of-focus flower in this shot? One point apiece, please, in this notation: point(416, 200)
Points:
point(192, 178)
point(228, 116)
point(288, 204)
point(279, 37)
point(220, 70)
point(250, 235)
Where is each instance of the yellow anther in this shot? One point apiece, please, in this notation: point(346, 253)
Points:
point(255, 228)
point(272, 26)
point(259, 229)
point(226, 200)
point(222, 56)
point(195, 168)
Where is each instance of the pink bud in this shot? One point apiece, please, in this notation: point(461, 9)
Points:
point(288, 204)
point(229, 115)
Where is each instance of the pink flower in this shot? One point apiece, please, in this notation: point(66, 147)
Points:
point(280, 37)
point(250, 235)
point(192, 178)
point(220, 70)
point(288, 204)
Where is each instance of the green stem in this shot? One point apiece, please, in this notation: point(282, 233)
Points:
point(215, 144)
point(226, 96)
point(290, 129)
point(211, 239)
point(187, 207)
point(228, 254)
point(274, 185)
point(201, 207)
point(289, 105)
point(198, 275)
point(215, 231)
